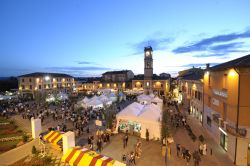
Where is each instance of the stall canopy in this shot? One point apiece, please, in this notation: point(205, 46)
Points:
point(62, 96)
point(83, 157)
point(53, 137)
point(86, 99)
point(132, 110)
point(150, 112)
point(112, 96)
point(95, 103)
point(147, 116)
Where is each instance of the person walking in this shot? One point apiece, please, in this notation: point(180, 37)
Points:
point(178, 149)
point(126, 139)
point(132, 158)
point(124, 142)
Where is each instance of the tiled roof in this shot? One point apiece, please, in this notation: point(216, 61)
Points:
point(193, 76)
point(40, 74)
point(240, 62)
point(117, 72)
point(155, 77)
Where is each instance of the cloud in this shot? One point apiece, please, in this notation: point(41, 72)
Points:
point(156, 44)
point(207, 44)
point(198, 65)
point(84, 68)
point(84, 63)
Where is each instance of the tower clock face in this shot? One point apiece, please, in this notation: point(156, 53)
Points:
point(147, 53)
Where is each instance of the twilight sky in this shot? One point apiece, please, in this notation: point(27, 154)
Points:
point(89, 37)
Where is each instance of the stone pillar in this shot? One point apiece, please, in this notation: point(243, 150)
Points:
point(36, 127)
point(68, 141)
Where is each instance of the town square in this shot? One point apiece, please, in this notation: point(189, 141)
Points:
point(124, 83)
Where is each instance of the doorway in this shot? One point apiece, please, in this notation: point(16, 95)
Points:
point(223, 140)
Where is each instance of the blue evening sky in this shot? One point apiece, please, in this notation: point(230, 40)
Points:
point(89, 37)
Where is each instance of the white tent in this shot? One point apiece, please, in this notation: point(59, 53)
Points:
point(132, 110)
point(122, 96)
point(145, 116)
point(62, 96)
point(85, 100)
point(144, 99)
point(105, 99)
point(95, 103)
point(113, 97)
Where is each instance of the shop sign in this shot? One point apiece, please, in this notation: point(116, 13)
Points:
point(220, 93)
point(232, 130)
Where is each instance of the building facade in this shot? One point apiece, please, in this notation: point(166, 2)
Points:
point(41, 82)
point(227, 108)
point(116, 80)
point(191, 93)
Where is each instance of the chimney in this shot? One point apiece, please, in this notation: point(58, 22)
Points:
point(208, 65)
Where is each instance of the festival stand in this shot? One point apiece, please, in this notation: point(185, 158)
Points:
point(53, 137)
point(84, 157)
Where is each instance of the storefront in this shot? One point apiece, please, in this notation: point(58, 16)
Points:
point(130, 126)
point(223, 139)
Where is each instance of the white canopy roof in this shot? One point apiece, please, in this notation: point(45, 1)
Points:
point(86, 99)
point(95, 103)
point(132, 110)
point(157, 100)
point(150, 112)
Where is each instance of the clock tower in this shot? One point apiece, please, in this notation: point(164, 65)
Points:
point(148, 69)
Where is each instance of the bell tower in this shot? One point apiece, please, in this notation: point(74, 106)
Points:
point(148, 69)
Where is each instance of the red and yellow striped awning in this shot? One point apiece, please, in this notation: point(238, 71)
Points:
point(85, 157)
point(53, 137)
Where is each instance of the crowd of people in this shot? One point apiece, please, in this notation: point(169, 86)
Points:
point(131, 156)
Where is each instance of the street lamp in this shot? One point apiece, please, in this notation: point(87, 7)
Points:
point(46, 78)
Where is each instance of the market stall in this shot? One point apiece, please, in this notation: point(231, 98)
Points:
point(137, 118)
point(83, 157)
point(54, 137)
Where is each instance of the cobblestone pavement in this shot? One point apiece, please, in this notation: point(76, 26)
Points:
point(151, 151)
point(218, 157)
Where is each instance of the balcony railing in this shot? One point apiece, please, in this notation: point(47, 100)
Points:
point(232, 130)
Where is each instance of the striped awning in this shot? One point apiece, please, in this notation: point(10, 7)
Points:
point(85, 157)
point(53, 137)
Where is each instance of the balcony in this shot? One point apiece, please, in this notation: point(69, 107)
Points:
point(232, 130)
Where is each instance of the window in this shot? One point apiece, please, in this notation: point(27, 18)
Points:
point(161, 85)
point(40, 86)
point(30, 80)
point(23, 80)
point(44, 86)
point(48, 85)
point(22, 86)
point(209, 121)
point(30, 87)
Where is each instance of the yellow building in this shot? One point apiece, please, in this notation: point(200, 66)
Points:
point(227, 107)
point(116, 80)
point(50, 82)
